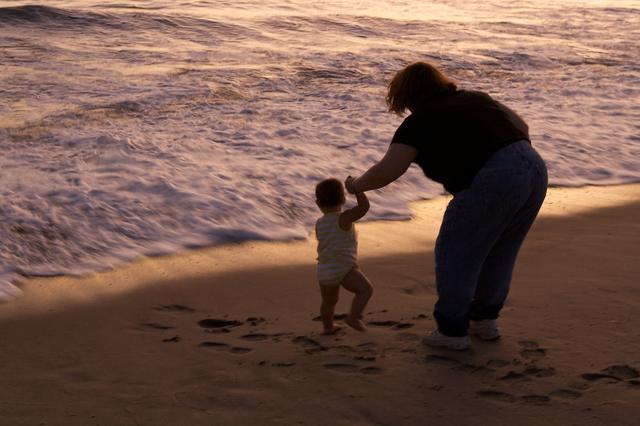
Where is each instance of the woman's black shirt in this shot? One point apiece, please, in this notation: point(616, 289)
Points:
point(457, 133)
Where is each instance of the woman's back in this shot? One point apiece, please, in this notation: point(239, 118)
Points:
point(456, 133)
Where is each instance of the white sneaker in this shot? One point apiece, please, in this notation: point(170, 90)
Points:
point(439, 340)
point(485, 329)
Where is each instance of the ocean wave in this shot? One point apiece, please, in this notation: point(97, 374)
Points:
point(141, 129)
point(51, 16)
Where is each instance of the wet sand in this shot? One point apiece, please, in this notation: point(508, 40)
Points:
point(226, 335)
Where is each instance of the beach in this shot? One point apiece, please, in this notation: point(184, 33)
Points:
point(225, 335)
point(157, 170)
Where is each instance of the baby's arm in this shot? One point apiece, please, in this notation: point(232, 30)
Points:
point(349, 216)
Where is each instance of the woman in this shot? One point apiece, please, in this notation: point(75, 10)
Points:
point(480, 151)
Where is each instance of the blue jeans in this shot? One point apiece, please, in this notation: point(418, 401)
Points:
point(481, 232)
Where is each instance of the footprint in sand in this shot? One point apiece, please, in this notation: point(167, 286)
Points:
point(214, 345)
point(540, 371)
point(613, 374)
point(219, 346)
point(338, 366)
point(364, 358)
point(500, 396)
point(350, 368)
point(371, 370)
point(566, 394)
point(599, 377)
point(367, 349)
point(535, 399)
point(536, 353)
point(579, 385)
point(217, 330)
point(634, 383)
point(622, 372)
point(497, 363)
point(310, 344)
point(531, 349)
point(402, 325)
point(174, 308)
point(388, 323)
point(174, 339)
point(254, 321)
point(218, 323)
point(514, 376)
point(277, 337)
point(155, 326)
point(474, 369)
point(495, 395)
point(366, 346)
point(255, 337)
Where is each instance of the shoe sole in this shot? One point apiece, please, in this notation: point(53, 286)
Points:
point(453, 347)
point(485, 338)
point(488, 339)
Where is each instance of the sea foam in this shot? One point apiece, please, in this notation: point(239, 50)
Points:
point(144, 128)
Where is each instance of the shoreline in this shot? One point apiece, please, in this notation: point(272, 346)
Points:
point(140, 344)
point(559, 201)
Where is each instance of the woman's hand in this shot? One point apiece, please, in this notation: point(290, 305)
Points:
point(349, 184)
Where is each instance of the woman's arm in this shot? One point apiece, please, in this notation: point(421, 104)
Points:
point(393, 165)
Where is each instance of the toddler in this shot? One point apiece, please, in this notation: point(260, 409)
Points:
point(337, 254)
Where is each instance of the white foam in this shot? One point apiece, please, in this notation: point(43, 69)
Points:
point(8, 291)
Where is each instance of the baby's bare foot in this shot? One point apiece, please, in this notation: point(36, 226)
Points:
point(333, 330)
point(355, 323)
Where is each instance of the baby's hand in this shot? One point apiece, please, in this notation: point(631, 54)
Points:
point(348, 184)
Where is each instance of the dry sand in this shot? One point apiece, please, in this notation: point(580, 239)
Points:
point(140, 345)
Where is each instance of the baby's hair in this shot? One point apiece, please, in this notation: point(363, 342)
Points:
point(330, 193)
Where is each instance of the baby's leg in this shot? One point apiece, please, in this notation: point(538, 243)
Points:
point(328, 307)
point(357, 283)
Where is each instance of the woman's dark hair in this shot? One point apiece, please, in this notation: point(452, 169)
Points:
point(415, 84)
point(330, 193)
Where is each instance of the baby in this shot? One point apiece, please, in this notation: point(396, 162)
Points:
point(337, 254)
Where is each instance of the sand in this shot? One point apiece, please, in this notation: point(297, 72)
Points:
point(225, 336)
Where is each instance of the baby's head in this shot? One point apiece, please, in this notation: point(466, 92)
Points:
point(330, 195)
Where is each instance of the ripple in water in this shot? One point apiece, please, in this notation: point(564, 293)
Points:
point(144, 128)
